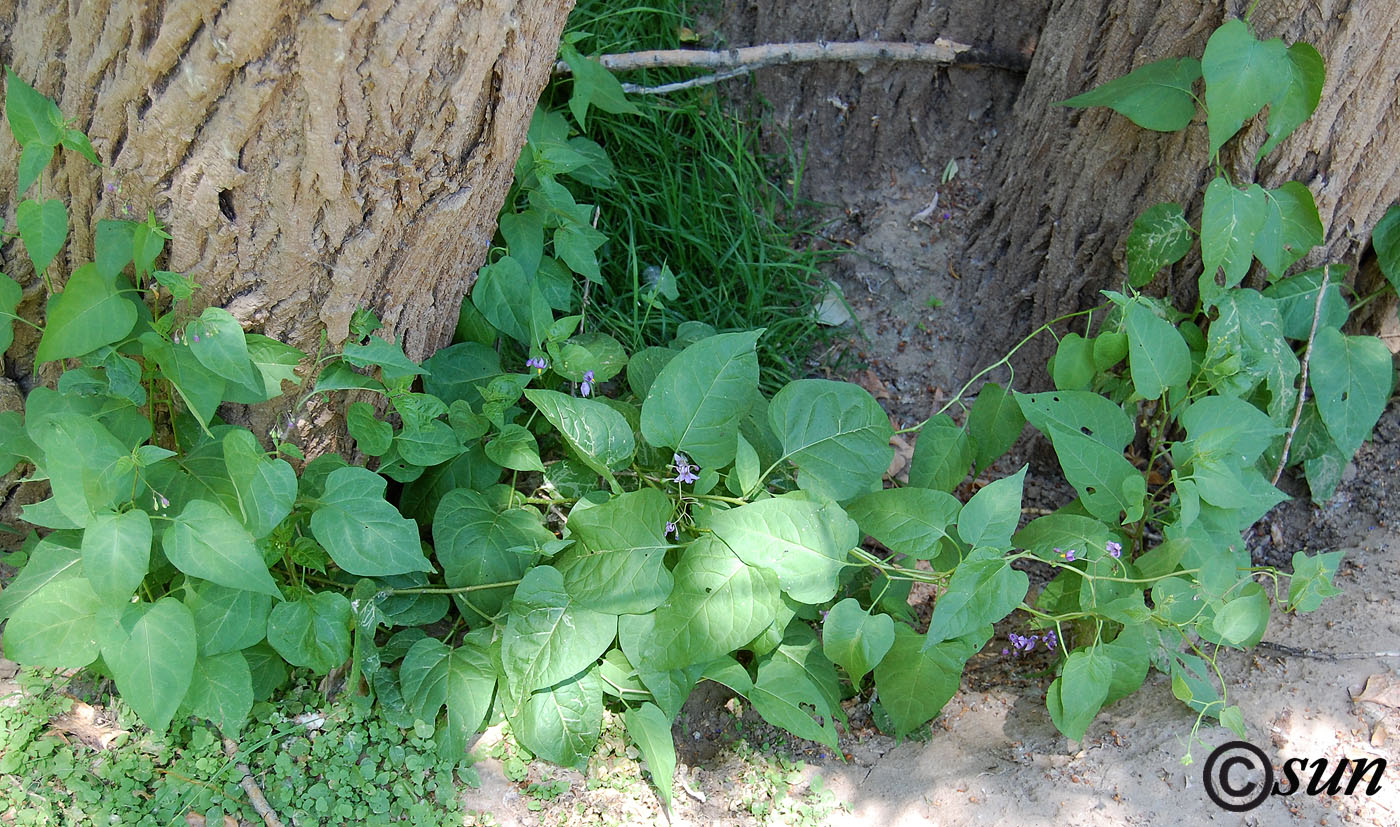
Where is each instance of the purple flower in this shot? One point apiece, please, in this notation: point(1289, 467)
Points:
point(1051, 640)
point(539, 364)
point(685, 471)
point(1069, 555)
point(195, 337)
point(587, 387)
point(1115, 550)
point(1022, 643)
point(671, 529)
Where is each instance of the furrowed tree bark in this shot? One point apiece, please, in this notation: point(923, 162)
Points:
point(308, 158)
point(1069, 183)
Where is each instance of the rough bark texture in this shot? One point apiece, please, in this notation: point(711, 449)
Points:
point(1070, 182)
point(857, 121)
point(308, 158)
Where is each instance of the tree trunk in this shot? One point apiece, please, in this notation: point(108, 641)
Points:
point(307, 158)
point(1070, 182)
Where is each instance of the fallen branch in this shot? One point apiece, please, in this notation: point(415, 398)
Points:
point(1317, 654)
point(251, 788)
point(734, 62)
point(1303, 379)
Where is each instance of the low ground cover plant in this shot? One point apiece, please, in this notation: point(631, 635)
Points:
point(573, 526)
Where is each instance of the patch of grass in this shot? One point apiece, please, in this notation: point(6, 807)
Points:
point(696, 194)
point(353, 768)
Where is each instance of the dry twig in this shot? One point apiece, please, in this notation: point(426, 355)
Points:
point(251, 788)
point(1303, 379)
point(734, 62)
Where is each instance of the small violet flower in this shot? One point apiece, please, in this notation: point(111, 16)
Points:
point(587, 387)
point(539, 364)
point(1022, 643)
point(1115, 550)
point(671, 529)
point(685, 471)
point(1051, 640)
point(1068, 555)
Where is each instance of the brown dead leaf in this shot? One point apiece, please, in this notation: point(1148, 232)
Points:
point(873, 384)
point(193, 819)
point(88, 725)
point(1380, 734)
point(1381, 688)
point(899, 463)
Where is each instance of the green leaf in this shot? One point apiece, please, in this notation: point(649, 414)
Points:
point(1291, 228)
point(201, 390)
point(56, 626)
point(49, 561)
point(225, 619)
point(593, 86)
point(524, 235)
point(597, 352)
point(644, 366)
point(982, 591)
point(1072, 366)
point(1311, 582)
point(1385, 239)
point(1296, 298)
point(363, 533)
point(1296, 102)
point(113, 247)
point(10, 296)
point(116, 554)
point(461, 679)
point(994, 423)
point(515, 448)
point(476, 544)
point(337, 376)
point(32, 160)
point(372, 435)
point(181, 287)
point(33, 117)
point(912, 521)
point(1231, 220)
point(205, 541)
point(650, 730)
point(1078, 694)
point(549, 637)
point(387, 356)
point(147, 241)
point(1351, 378)
point(75, 140)
point(915, 682)
point(217, 340)
point(88, 468)
point(695, 402)
point(990, 517)
point(836, 434)
point(1242, 75)
point(88, 314)
point(1109, 487)
point(942, 455)
point(1160, 238)
point(746, 467)
point(855, 639)
point(599, 435)
point(1242, 620)
point(266, 487)
point(1247, 346)
point(576, 245)
point(1083, 412)
point(313, 632)
point(460, 371)
point(562, 725)
point(150, 648)
point(1154, 96)
point(1157, 355)
point(222, 691)
point(718, 604)
point(502, 294)
point(44, 229)
point(618, 565)
point(805, 542)
point(1046, 536)
point(786, 697)
point(431, 443)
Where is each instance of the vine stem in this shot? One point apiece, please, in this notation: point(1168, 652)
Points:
point(1005, 360)
point(1303, 378)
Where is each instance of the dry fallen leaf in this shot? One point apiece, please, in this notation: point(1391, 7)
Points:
point(1381, 688)
point(85, 723)
point(899, 463)
point(873, 384)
